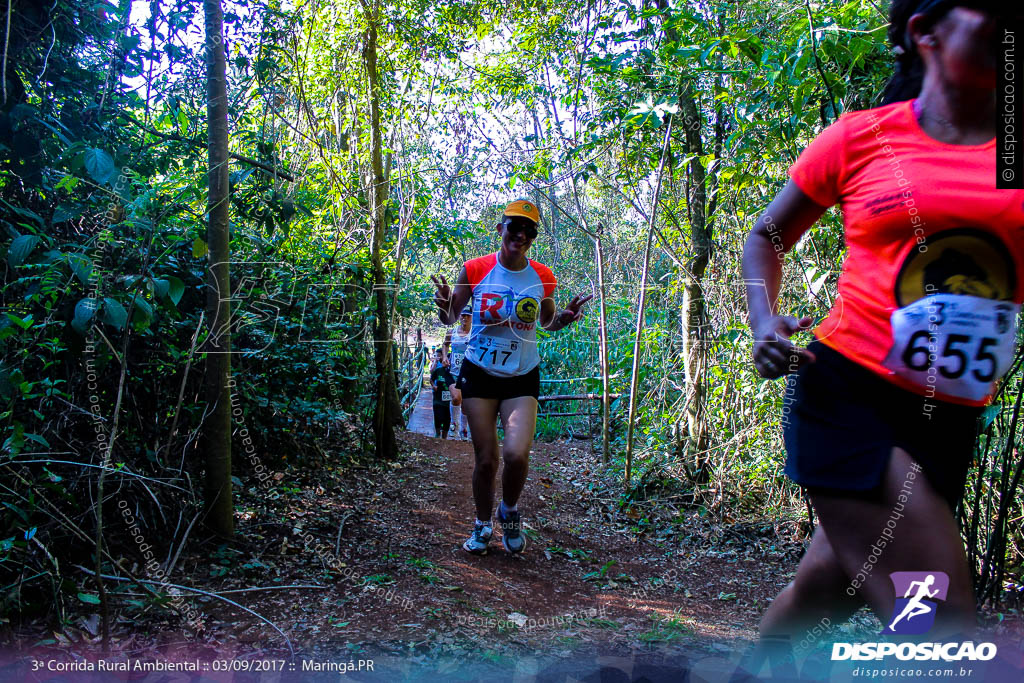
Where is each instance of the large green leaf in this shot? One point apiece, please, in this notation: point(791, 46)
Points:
point(114, 313)
point(23, 323)
point(85, 309)
point(20, 249)
point(177, 288)
point(161, 287)
point(99, 164)
point(142, 313)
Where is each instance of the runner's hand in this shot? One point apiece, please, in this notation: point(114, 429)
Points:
point(574, 310)
point(443, 296)
point(774, 354)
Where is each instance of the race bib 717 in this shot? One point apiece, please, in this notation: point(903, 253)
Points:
point(496, 353)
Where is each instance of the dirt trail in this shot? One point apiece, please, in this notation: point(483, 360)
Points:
point(585, 558)
point(595, 581)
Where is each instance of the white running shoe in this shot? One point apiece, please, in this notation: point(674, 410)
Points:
point(512, 536)
point(477, 543)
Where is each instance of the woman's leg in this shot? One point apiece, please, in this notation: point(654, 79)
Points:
point(816, 597)
point(446, 421)
point(437, 425)
point(910, 529)
point(456, 415)
point(519, 418)
point(482, 414)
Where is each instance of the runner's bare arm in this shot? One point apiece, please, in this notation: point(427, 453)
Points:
point(445, 345)
point(451, 300)
point(553, 322)
point(785, 220)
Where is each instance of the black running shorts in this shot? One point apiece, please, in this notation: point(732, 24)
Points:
point(841, 421)
point(475, 382)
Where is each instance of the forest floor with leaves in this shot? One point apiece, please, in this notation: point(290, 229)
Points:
point(382, 545)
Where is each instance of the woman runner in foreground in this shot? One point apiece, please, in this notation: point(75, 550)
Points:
point(881, 423)
point(500, 372)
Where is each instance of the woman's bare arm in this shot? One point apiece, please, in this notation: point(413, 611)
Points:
point(785, 220)
point(451, 300)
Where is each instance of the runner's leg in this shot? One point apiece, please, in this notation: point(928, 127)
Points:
point(446, 419)
point(816, 597)
point(519, 417)
point(456, 415)
point(482, 414)
point(925, 538)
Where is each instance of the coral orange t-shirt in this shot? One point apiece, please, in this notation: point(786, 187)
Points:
point(929, 289)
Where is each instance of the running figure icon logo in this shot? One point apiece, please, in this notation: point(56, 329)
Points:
point(914, 612)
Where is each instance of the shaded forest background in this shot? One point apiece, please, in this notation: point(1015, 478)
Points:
point(371, 145)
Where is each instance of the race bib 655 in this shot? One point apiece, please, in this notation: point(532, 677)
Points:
point(956, 344)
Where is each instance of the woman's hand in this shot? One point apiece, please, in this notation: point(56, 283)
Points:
point(788, 217)
point(573, 310)
point(456, 396)
point(450, 300)
point(774, 354)
point(443, 295)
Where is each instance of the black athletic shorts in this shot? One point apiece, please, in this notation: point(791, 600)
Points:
point(475, 382)
point(840, 422)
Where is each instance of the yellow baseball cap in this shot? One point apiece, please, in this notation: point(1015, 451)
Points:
point(524, 208)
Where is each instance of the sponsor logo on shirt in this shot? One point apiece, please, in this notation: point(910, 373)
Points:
point(885, 203)
point(526, 309)
point(959, 261)
point(494, 308)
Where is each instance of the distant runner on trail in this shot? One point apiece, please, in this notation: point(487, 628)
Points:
point(509, 293)
point(880, 419)
point(458, 339)
point(441, 382)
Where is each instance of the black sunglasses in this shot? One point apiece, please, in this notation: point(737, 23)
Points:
point(529, 232)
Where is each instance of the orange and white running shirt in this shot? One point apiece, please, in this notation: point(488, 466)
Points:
point(931, 286)
point(506, 305)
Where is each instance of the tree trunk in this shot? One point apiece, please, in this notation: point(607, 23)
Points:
point(386, 411)
point(694, 313)
point(605, 402)
point(699, 208)
point(642, 305)
point(216, 440)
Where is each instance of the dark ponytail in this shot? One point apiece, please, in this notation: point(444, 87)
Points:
point(905, 83)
